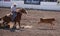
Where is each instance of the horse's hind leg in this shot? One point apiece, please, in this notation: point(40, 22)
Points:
point(14, 25)
point(5, 25)
point(18, 26)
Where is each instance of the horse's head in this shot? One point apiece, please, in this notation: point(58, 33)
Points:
point(23, 11)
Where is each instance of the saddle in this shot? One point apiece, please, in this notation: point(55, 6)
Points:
point(11, 16)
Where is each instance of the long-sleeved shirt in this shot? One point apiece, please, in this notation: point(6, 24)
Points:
point(13, 8)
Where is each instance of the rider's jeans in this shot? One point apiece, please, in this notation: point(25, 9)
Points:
point(14, 15)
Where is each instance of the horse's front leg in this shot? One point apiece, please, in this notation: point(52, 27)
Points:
point(19, 24)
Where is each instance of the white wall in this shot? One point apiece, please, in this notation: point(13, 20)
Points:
point(7, 4)
point(1, 3)
point(43, 5)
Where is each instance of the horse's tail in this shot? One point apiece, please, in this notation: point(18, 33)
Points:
point(0, 19)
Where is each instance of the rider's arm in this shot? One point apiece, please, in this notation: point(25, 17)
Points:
point(11, 8)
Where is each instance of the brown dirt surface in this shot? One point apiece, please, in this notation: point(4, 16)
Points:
point(31, 26)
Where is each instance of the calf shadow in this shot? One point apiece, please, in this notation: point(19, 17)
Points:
point(45, 29)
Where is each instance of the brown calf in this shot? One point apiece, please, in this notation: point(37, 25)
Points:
point(47, 20)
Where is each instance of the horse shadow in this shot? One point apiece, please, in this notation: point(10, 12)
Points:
point(11, 29)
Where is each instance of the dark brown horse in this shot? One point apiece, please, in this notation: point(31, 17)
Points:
point(7, 19)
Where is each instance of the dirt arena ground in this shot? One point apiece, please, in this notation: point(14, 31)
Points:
point(30, 22)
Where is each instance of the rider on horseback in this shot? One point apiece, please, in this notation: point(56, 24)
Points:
point(13, 10)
